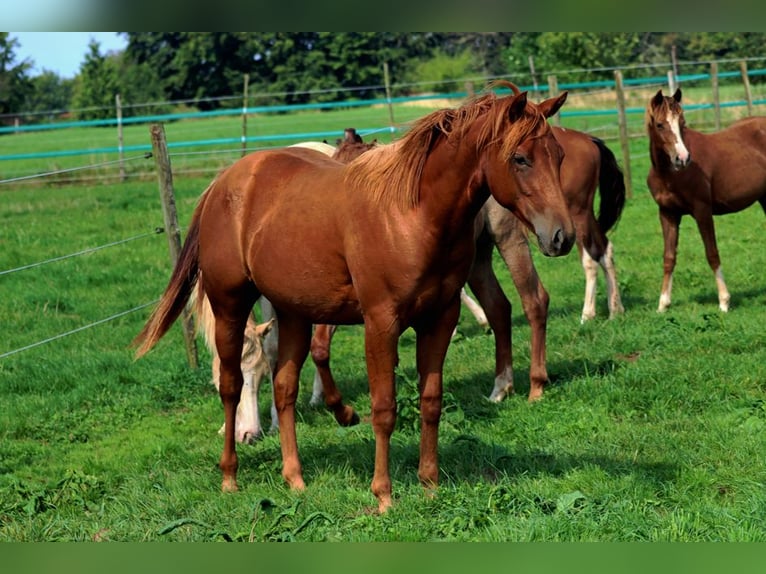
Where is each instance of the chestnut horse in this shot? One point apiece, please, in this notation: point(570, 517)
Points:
point(588, 165)
point(701, 175)
point(259, 351)
point(385, 240)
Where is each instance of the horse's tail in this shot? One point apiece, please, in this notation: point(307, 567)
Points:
point(179, 290)
point(611, 185)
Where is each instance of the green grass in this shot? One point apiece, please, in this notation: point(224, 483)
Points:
point(651, 429)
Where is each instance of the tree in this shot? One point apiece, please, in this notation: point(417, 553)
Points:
point(14, 76)
point(49, 93)
point(96, 85)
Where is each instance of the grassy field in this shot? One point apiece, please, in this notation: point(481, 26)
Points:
point(651, 429)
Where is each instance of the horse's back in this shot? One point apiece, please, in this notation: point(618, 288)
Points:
point(580, 168)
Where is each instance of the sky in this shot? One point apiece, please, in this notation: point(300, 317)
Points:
point(62, 52)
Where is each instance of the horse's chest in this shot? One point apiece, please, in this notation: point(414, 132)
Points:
point(670, 193)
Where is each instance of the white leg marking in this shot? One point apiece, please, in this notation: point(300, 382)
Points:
point(591, 275)
point(503, 385)
point(317, 393)
point(665, 296)
point(723, 292)
point(612, 287)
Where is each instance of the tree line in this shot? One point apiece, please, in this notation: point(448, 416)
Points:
point(205, 70)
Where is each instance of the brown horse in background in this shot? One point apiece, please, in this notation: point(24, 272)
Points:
point(701, 175)
point(588, 165)
point(385, 240)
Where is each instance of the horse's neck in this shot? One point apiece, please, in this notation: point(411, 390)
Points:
point(453, 189)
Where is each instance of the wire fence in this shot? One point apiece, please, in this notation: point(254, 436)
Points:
point(225, 149)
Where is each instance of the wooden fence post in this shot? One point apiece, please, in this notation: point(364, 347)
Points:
point(244, 114)
point(716, 95)
point(387, 81)
point(624, 141)
point(167, 196)
point(748, 91)
point(553, 91)
point(671, 82)
point(118, 105)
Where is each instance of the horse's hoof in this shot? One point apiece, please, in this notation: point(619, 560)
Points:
point(348, 417)
point(249, 437)
point(384, 503)
point(229, 484)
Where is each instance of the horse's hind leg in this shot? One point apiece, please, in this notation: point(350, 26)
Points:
point(596, 250)
point(320, 354)
point(612, 286)
point(231, 317)
point(294, 342)
point(707, 231)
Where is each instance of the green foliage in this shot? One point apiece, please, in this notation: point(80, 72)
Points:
point(445, 72)
point(49, 93)
point(96, 85)
point(14, 76)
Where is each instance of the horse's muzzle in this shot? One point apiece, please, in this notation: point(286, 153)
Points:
point(560, 243)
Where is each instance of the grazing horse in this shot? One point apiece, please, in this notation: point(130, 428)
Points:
point(385, 240)
point(701, 175)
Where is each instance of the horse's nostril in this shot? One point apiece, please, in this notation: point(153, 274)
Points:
point(558, 238)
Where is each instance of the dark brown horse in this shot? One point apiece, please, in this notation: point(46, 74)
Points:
point(701, 175)
point(385, 240)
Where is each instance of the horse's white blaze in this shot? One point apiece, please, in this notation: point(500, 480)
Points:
point(723, 292)
point(503, 385)
point(590, 266)
point(680, 148)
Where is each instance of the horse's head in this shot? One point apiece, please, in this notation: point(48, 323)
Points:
point(528, 152)
point(665, 124)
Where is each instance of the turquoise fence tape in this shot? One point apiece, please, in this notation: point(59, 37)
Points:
point(335, 105)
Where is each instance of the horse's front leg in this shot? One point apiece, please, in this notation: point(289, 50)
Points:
point(515, 251)
point(381, 334)
point(294, 341)
point(433, 338)
point(670, 222)
point(324, 383)
point(483, 283)
point(707, 231)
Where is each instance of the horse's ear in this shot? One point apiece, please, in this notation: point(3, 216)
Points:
point(263, 329)
point(550, 106)
point(517, 107)
point(657, 99)
point(677, 95)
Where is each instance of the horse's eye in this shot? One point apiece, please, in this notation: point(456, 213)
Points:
point(660, 126)
point(520, 160)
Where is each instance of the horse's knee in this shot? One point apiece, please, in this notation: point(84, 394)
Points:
point(320, 351)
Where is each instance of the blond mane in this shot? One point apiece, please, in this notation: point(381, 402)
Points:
point(392, 174)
